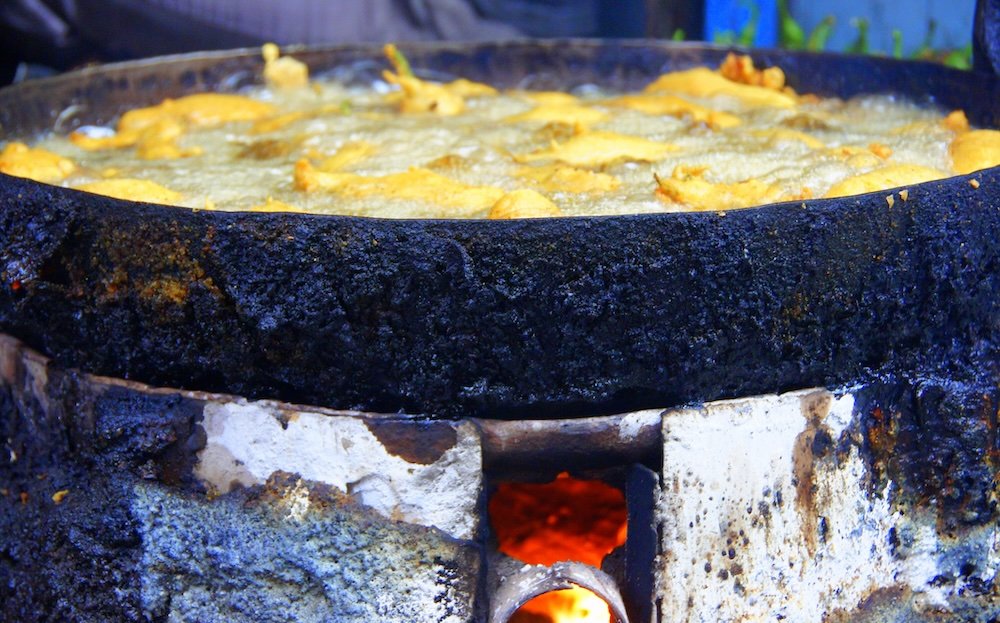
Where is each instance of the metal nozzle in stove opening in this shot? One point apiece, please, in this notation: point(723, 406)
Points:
point(564, 530)
point(530, 581)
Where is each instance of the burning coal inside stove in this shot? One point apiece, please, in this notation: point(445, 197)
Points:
point(568, 519)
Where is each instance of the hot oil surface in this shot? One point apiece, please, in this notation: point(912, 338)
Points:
point(802, 151)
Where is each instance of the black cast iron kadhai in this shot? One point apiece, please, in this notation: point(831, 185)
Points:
point(505, 319)
point(456, 318)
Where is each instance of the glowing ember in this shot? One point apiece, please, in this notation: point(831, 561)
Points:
point(567, 519)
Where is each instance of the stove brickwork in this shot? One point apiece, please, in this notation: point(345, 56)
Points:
point(124, 502)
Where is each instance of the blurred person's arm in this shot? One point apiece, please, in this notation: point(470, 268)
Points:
point(40, 32)
point(53, 31)
point(64, 33)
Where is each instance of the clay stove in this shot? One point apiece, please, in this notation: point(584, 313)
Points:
point(124, 502)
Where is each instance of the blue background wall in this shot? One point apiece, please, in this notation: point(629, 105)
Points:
point(731, 15)
point(954, 21)
point(953, 17)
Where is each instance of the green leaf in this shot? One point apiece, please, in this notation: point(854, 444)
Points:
point(749, 31)
point(724, 37)
point(925, 50)
point(897, 43)
point(790, 33)
point(860, 45)
point(821, 34)
point(960, 58)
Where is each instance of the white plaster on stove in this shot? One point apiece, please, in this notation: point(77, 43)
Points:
point(841, 413)
point(631, 424)
point(993, 558)
point(718, 462)
point(246, 444)
point(923, 567)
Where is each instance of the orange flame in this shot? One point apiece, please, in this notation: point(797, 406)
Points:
point(567, 519)
point(573, 605)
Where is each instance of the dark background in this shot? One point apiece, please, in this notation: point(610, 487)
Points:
point(41, 36)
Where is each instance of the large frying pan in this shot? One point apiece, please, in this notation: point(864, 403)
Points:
point(515, 319)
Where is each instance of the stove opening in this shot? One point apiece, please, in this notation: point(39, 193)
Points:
point(568, 519)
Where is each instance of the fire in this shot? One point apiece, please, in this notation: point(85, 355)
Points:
point(573, 605)
point(566, 519)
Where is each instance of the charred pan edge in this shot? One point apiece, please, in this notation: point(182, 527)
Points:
point(556, 318)
point(508, 319)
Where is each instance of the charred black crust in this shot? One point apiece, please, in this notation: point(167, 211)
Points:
point(508, 319)
point(936, 440)
point(78, 559)
point(453, 319)
point(420, 442)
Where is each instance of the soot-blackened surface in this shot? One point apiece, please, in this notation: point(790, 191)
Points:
point(545, 318)
point(508, 318)
point(937, 440)
point(78, 560)
point(101, 520)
